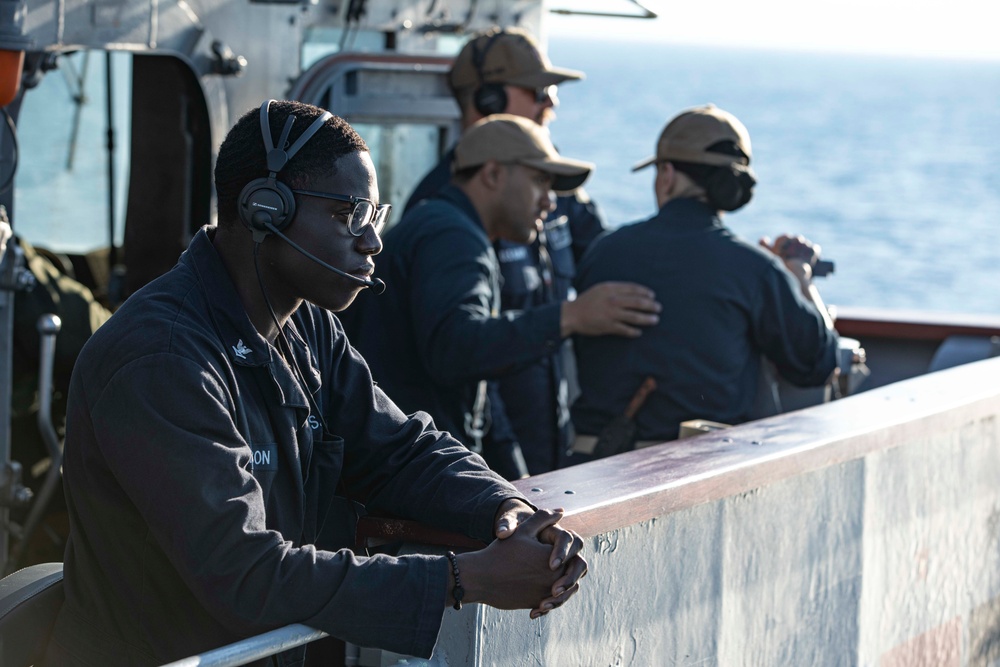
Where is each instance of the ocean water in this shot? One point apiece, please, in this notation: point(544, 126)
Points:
point(892, 165)
point(61, 187)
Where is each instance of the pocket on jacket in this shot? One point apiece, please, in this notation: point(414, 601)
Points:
point(335, 520)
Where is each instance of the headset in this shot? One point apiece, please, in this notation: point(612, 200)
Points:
point(267, 206)
point(489, 98)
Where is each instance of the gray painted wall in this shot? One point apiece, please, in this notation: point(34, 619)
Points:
point(884, 560)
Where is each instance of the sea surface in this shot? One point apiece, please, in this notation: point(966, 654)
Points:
point(892, 165)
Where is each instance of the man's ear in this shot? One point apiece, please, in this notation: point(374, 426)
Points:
point(492, 174)
point(666, 177)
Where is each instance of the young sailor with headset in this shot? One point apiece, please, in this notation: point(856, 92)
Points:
point(215, 416)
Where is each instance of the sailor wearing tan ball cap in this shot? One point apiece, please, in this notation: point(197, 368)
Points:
point(729, 303)
point(507, 71)
point(504, 71)
point(438, 335)
point(710, 137)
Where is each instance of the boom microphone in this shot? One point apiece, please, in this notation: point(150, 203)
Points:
point(376, 285)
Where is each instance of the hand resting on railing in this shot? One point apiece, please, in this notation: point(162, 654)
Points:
point(559, 567)
point(533, 564)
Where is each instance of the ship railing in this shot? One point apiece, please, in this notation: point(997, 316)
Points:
point(883, 505)
point(874, 518)
point(373, 531)
point(253, 648)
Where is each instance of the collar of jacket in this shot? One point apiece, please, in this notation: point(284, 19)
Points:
point(244, 344)
point(689, 213)
point(461, 201)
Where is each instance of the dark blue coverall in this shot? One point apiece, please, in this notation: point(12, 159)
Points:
point(438, 330)
point(202, 486)
point(725, 302)
point(536, 398)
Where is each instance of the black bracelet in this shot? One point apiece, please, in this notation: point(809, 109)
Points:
point(458, 592)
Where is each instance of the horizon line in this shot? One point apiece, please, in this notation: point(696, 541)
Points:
point(819, 49)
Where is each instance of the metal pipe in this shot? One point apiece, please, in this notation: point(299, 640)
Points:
point(9, 263)
point(48, 328)
point(79, 95)
point(647, 13)
point(253, 648)
point(109, 79)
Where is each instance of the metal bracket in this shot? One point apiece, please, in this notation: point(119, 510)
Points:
point(13, 493)
point(647, 13)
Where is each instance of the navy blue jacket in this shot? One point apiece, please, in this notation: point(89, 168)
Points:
point(725, 302)
point(438, 330)
point(200, 485)
point(536, 398)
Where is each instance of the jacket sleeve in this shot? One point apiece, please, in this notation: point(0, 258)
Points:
point(459, 336)
point(791, 332)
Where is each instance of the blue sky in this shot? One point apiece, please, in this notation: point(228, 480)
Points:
point(930, 28)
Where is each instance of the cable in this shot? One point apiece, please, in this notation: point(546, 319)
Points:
point(300, 376)
point(15, 152)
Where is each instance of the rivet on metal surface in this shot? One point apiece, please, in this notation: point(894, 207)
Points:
point(728, 441)
point(568, 492)
point(536, 490)
point(756, 443)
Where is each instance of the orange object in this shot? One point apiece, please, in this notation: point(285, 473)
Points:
point(11, 64)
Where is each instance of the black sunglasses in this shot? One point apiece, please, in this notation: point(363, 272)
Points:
point(363, 213)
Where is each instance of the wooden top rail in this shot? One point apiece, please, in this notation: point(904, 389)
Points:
point(375, 531)
point(860, 323)
point(611, 493)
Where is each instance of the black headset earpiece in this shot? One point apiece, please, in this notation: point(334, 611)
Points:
point(267, 203)
point(489, 98)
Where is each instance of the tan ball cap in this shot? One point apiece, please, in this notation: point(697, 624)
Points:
point(516, 140)
point(508, 56)
point(690, 133)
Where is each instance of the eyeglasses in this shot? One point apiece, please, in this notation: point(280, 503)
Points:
point(543, 94)
point(363, 213)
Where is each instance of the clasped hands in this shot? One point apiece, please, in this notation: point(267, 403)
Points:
point(534, 563)
point(564, 558)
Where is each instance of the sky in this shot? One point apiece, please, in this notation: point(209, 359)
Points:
point(928, 28)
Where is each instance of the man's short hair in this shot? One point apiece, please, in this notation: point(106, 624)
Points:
point(242, 155)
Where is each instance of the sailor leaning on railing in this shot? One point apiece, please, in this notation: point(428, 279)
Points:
point(220, 418)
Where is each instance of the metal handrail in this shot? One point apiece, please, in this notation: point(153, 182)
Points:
point(253, 648)
point(49, 325)
point(647, 13)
